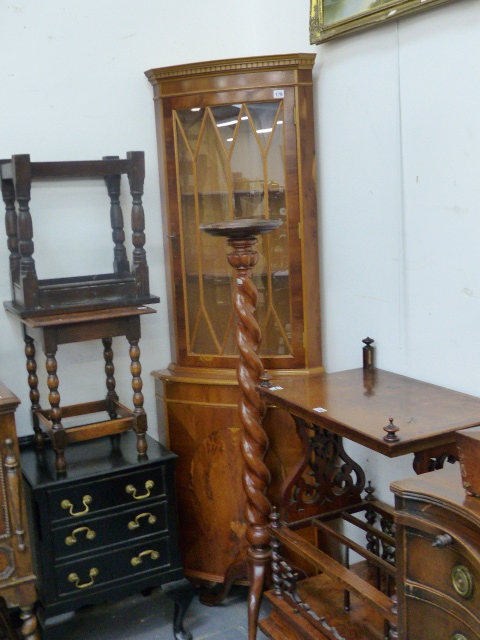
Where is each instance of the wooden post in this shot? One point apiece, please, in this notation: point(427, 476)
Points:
point(241, 238)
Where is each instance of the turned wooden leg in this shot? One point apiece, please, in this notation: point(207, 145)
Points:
point(110, 377)
point(34, 392)
point(30, 629)
point(137, 384)
point(58, 432)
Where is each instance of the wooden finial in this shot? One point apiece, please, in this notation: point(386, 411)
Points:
point(368, 353)
point(391, 430)
point(265, 380)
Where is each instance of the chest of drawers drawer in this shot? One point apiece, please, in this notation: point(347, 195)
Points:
point(108, 526)
point(105, 569)
point(98, 496)
point(429, 621)
point(452, 571)
point(87, 534)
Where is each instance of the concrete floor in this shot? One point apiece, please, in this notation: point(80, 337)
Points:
point(150, 618)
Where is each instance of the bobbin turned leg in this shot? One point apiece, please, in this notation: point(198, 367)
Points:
point(34, 392)
point(59, 437)
point(137, 384)
point(30, 628)
point(112, 396)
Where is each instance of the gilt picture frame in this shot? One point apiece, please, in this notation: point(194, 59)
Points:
point(334, 18)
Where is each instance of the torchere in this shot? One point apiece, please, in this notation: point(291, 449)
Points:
point(241, 236)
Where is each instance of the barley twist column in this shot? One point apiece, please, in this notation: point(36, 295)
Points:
point(241, 238)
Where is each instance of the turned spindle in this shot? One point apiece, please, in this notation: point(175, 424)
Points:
point(241, 237)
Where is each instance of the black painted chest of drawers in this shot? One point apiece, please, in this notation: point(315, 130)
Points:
point(104, 529)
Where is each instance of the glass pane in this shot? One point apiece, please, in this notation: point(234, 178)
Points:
point(226, 119)
point(191, 121)
point(231, 164)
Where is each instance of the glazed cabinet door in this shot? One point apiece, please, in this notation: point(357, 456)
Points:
point(242, 152)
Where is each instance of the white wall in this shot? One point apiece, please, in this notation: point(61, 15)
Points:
point(398, 151)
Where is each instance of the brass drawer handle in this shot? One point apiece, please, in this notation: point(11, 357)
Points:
point(459, 636)
point(71, 539)
point(149, 484)
point(154, 555)
point(462, 581)
point(66, 504)
point(92, 574)
point(134, 524)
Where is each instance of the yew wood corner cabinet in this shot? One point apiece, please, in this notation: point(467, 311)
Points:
point(235, 140)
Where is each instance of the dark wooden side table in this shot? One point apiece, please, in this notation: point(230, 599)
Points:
point(390, 414)
point(63, 328)
point(106, 528)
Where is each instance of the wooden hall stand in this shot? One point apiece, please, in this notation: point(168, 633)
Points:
point(390, 414)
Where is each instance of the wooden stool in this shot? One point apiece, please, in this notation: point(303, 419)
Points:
point(52, 331)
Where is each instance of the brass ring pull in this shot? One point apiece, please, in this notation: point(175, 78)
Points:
point(154, 555)
point(92, 574)
point(66, 504)
point(462, 581)
point(149, 484)
point(71, 539)
point(134, 524)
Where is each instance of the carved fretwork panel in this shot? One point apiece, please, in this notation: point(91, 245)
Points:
point(325, 478)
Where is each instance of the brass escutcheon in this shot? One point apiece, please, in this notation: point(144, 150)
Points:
point(462, 581)
point(92, 574)
point(134, 524)
point(149, 484)
point(66, 504)
point(72, 539)
point(154, 555)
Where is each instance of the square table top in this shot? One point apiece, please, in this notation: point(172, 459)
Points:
point(358, 404)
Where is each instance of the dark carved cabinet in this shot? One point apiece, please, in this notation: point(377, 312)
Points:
point(17, 581)
point(438, 557)
point(104, 529)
